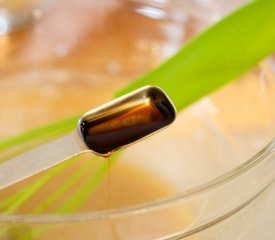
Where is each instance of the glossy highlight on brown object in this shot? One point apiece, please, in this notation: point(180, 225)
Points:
point(127, 119)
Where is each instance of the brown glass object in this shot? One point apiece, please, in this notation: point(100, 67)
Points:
point(125, 120)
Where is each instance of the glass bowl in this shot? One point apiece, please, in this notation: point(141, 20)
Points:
point(208, 176)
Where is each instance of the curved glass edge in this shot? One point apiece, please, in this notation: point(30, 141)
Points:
point(235, 181)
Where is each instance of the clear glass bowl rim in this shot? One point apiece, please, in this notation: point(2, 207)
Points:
point(202, 189)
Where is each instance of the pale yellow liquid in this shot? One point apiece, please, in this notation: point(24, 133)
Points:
point(123, 185)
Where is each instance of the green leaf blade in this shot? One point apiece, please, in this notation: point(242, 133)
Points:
point(215, 57)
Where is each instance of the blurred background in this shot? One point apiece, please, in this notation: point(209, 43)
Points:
point(61, 58)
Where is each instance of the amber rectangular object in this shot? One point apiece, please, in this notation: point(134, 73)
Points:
point(125, 120)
